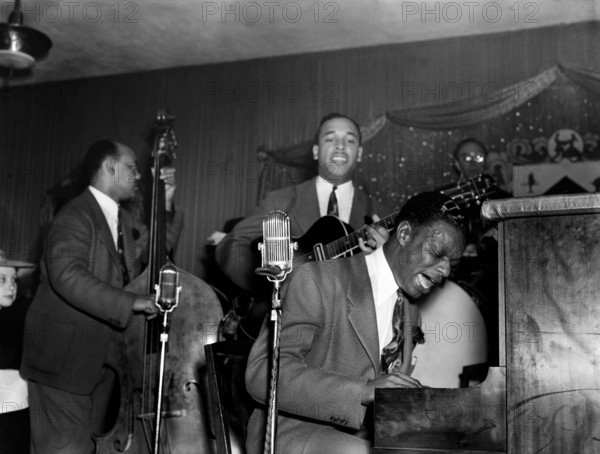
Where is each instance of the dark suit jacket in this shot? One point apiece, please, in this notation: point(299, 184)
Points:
point(80, 306)
point(12, 322)
point(329, 350)
point(300, 202)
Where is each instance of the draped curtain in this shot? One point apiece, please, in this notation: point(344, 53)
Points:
point(410, 150)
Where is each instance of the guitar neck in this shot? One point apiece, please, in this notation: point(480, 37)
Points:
point(470, 191)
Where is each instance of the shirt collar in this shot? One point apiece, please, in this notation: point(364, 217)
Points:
point(105, 202)
point(109, 208)
point(323, 183)
point(382, 277)
point(344, 194)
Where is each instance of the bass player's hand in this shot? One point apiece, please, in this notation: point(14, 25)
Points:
point(144, 304)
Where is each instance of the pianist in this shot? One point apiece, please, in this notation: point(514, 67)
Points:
point(344, 326)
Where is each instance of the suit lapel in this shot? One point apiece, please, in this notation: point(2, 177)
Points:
point(359, 209)
point(306, 209)
point(102, 225)
point(129, 244)
point(361, 309)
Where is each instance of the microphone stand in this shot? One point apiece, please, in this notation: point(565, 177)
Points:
point(277, 256)
point(165, 306)
point(271, 434)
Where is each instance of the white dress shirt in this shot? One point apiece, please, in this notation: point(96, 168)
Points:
point(385, 291)
point(344, 194)
point(110, 208)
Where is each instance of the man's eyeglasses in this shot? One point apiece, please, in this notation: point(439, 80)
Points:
point(471, 158)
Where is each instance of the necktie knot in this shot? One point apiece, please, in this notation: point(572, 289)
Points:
point(332, 205)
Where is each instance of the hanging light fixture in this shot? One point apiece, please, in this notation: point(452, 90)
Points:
point(21, 46)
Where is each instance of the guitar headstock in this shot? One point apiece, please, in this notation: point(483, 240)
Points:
point(165, 141)
point(473, 191)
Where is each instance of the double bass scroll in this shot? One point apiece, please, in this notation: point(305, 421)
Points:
point(136, 353)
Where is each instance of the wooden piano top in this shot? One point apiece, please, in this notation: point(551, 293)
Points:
point(552, 205)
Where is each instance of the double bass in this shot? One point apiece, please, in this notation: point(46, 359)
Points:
point(136, 360)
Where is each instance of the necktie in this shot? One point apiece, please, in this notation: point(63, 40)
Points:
point(392, 352)
point(121, 251)
point(332, 206)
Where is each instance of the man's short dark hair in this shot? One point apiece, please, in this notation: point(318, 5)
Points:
point(427, 208)
point(94, 157)
point(331, 116)
point(466, 141)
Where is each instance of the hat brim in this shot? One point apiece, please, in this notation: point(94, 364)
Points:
point(23, 268)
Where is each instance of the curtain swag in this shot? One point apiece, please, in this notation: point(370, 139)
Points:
point(449, 115)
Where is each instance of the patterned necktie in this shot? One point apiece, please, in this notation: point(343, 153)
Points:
point(121, 251)
point(332, 206)
point(392, 352)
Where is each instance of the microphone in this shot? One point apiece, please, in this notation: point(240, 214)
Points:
point(277, 250)
point(167, 289)
point(167, 298)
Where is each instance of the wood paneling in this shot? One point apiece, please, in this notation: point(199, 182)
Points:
point(224, 112)
point(553, 326)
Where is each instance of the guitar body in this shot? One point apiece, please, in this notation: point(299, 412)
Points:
point(313, 246)
point(455, 336)
point(323, 232)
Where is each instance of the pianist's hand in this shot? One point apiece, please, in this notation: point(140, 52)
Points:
point(395, 380)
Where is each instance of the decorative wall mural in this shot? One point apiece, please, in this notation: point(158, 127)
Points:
point(565, 144)
point(565, 162)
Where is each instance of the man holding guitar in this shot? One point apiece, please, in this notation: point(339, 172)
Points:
point(349, 326)
point(337, 149)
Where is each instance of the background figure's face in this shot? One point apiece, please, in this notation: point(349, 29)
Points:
point(8, 286)
point(125, 174)
point(426, 255)
point(471, 160)
point(338, 150)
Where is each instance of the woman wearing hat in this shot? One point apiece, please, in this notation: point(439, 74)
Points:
point(14, 413)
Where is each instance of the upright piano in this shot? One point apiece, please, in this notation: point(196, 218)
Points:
point(545, 396)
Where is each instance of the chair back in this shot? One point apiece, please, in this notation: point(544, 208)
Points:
point(229, 403)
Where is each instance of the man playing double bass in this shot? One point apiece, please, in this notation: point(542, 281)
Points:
point(81, 307)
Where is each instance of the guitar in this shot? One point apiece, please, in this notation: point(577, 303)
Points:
point(330, 238)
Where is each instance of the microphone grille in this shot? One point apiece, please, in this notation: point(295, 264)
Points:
point(276, 237)
point(168, 283)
